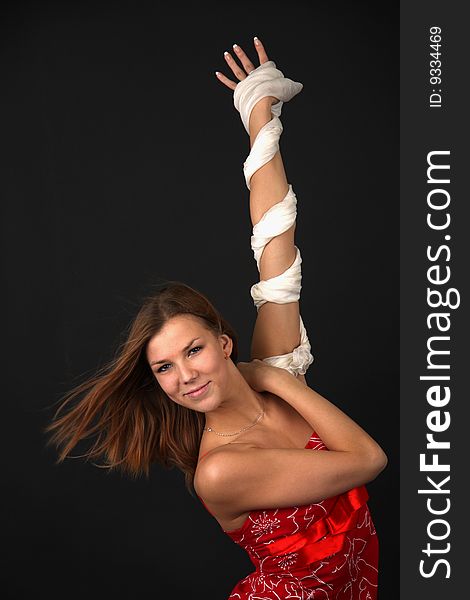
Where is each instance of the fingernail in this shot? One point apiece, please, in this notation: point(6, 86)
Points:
point(256, 40)
point(225, 54)
point(235, 46)
point(217, 73)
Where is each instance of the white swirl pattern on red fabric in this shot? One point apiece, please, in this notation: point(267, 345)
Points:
point(349, 574)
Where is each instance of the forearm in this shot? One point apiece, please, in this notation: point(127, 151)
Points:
point(269, 184)
point(260, 115)
point(337, 430)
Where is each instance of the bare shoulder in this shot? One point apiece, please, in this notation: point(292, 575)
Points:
point(213, 473)
point(245, 477)
point(219, 459)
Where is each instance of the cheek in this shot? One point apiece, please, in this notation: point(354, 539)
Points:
point(167, 384)
point(214, 364)
point(213, 359)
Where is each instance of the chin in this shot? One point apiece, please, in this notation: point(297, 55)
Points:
point(202, 406)
point(208, 402)
point(188, 402)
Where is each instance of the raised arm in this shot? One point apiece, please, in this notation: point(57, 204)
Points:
point(277, 327)
point(277, 330)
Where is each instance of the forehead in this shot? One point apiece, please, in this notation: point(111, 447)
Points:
point(174, 335)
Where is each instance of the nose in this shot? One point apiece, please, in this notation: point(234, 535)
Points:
point(188, 373)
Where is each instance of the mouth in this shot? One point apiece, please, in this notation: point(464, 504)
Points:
point(198, 391)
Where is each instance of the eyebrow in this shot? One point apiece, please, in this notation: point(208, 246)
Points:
point(158, 362)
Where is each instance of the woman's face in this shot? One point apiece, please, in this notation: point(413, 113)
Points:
point(185, 356)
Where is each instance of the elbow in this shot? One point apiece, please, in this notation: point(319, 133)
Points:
point(373, 462)
point(379, 461)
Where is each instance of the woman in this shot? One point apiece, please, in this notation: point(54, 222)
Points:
point(280, 467)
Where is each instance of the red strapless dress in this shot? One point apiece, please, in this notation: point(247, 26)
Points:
point(323, 551)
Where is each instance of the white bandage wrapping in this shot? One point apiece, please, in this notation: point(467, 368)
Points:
point(266, 80)
point(263, 81)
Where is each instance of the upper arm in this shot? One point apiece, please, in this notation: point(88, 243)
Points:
point(258, 478)
point(276, 330)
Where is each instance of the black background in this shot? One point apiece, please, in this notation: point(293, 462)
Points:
point(122, 164)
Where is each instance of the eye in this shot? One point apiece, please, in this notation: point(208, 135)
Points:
point(162, 370)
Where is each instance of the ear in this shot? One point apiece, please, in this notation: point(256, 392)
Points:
point(226, 343)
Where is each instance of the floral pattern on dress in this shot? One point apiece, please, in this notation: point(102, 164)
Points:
point(349, 574)
point(264, 525)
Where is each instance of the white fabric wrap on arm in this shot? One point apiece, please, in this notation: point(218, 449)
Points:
point(263, 81)
point(283, 288)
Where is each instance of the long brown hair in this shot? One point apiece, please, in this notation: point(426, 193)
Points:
point(136, 423)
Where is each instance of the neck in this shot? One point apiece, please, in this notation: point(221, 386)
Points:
point(238, 410)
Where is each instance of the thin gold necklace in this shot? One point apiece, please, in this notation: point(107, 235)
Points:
point(244, 428)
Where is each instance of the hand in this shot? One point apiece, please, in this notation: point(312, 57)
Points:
point(260, 375)
point(248, 66)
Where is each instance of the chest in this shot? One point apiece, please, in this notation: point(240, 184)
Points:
point(285, 428)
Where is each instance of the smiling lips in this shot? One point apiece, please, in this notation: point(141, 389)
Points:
point(198, 392)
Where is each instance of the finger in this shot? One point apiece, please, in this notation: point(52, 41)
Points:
point(225, 80)
point(263, 57)
point(232, 63)
point(246, 62)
